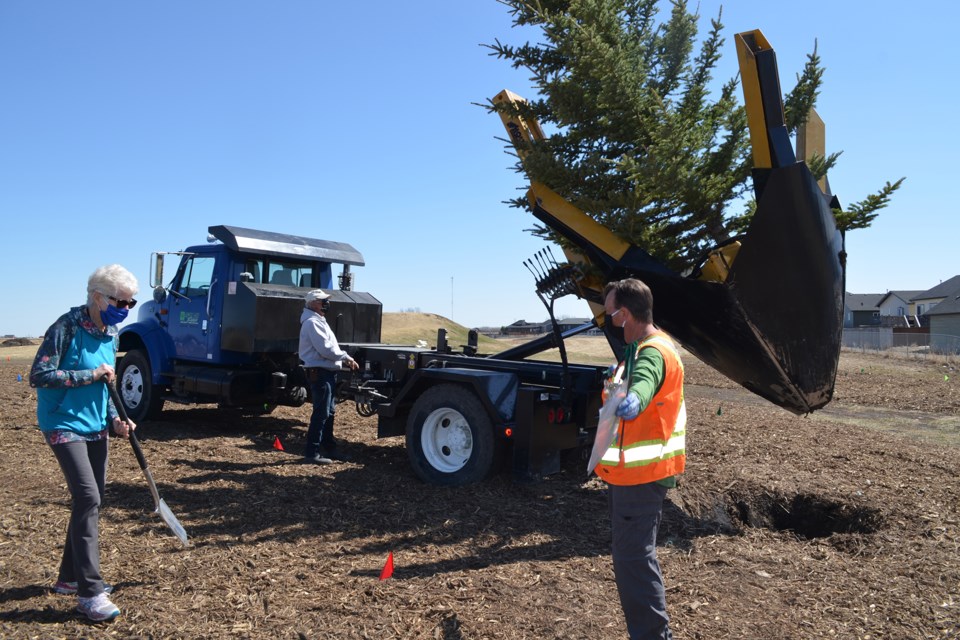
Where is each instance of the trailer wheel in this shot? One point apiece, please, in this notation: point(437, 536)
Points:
point(450, 437)
point(140, 397)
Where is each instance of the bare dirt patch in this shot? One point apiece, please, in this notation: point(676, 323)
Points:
point(783, 527)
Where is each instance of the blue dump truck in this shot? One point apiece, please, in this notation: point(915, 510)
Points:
point(764, 308)
point(226, 328)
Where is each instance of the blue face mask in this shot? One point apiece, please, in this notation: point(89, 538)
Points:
point(111, 315)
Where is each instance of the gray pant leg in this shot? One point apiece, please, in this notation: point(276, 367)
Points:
point(84, 466)
point(635, 513)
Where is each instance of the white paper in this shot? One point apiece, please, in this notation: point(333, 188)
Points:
point(608, 424)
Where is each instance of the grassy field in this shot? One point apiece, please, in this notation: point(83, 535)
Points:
point(408, 328)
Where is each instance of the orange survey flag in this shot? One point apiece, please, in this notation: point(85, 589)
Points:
point(276, 444)
point(387, 568)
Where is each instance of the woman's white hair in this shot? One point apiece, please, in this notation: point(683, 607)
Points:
point(111, 280)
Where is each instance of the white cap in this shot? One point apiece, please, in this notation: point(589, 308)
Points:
point(315, 294)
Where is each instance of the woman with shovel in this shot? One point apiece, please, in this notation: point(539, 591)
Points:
point(73, 366)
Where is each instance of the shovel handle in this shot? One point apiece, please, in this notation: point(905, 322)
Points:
point(134, 442)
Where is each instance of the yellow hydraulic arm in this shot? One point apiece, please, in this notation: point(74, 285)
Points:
point(596, 243)
point(766, 310)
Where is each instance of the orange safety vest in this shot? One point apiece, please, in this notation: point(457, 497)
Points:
point(651, 447)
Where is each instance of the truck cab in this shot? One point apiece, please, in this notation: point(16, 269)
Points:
point(225, 328)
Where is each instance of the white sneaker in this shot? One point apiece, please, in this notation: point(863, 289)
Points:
point(98, 608)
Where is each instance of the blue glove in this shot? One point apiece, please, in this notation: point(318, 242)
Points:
point(629, 407)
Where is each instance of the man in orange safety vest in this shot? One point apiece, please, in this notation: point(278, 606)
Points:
point(646, 455)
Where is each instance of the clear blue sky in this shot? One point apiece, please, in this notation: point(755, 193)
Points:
point(130, 127)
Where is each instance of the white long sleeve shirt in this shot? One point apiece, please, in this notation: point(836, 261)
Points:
point(318, 344)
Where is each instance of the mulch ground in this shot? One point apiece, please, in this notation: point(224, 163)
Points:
point(837, 525)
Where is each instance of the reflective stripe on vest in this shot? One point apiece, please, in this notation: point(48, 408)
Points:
point(650, 451)
point(652, 458)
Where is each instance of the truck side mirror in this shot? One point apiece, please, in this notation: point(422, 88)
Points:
point(159, 295)
point(157, 270)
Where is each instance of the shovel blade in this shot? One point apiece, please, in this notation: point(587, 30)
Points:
point(172, 521)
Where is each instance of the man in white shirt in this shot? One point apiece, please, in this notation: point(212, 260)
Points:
point(322, 358)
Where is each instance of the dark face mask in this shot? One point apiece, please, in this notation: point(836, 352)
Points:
point(612, 330)
point(325, 306)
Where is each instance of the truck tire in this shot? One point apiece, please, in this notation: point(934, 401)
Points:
point(450, 438)
point(140, 397)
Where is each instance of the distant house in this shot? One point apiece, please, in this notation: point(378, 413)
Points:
point(571, 323)
point(862, 309)
point(898, 303)
point(945, 324)
point(927, 300)
point(935, 311)
point(524, 328)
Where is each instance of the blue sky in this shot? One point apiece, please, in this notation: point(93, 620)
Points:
point(131, 127)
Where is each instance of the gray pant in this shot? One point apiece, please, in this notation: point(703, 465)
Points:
point(84, 465)
point(635, 513)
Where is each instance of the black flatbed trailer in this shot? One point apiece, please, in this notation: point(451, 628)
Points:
point(463, 414)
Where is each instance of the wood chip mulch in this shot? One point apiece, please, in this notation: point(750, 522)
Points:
point(842, 524)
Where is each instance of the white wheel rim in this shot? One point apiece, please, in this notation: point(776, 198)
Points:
point(131, 387)
point(446, 440)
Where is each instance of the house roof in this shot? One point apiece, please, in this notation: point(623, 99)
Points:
point(942, 290)
point(906, 296)
point(523, 323)
point(950, 304)
point(863, 301)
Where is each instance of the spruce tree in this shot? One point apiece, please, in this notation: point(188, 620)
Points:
point(639, 142)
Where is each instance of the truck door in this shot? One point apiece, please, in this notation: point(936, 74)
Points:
point(194, 317)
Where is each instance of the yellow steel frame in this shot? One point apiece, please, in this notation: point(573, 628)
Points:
point(749, 43)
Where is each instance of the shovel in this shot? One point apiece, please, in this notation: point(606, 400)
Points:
point(161, 506)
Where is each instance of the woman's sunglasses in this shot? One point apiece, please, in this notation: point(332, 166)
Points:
point(123, 304)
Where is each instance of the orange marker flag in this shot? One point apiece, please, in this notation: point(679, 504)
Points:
point(276, 443)
point(387, 568)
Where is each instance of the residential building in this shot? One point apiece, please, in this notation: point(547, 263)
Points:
point(524, 328)
point(945, 325)
point(862, 309)
point(927, 300)
point(898, 303)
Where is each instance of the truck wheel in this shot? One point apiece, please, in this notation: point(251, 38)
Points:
point(140, 397)
point(450, 437)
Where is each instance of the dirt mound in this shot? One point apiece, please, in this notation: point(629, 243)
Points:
point(17, 342)
point(842, 524)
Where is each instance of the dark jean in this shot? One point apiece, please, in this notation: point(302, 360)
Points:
point(84, 466)
point(323, 385)
point(635, 513)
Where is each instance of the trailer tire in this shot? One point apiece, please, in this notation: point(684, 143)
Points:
point(142, 399)
point(450, 438)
